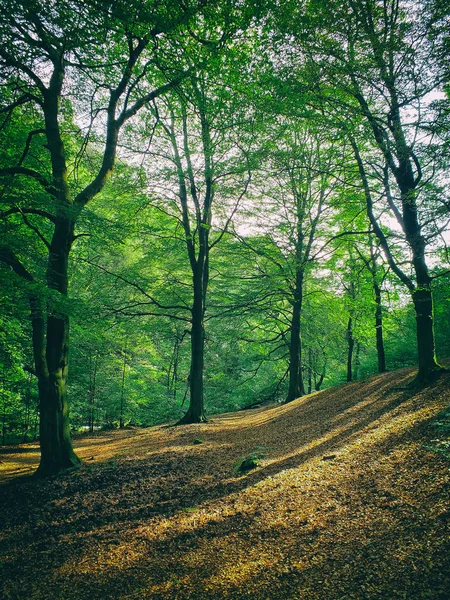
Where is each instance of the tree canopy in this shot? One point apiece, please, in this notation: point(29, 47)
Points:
point(208, 205)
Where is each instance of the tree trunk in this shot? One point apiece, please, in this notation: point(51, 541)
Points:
point(196, 411)
point(295, 348)
point(423, 305)
point(407, 174)
point(319, 382)
point(28, 409)
point(296, 387)
point(54, 432)
point(4, 416)
point(422, 295)
point(310, 370)
point(91, 395)
point(379, 328)
point(351, 345)
point(356, 362)
point(122, 389)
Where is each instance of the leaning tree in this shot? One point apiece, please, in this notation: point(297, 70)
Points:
point(373, 70)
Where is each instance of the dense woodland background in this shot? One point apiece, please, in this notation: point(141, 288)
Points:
point(231, 202)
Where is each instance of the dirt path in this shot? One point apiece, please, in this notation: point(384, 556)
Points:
point(346, 503)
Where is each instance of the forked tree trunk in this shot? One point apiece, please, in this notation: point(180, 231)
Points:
point(407, 182)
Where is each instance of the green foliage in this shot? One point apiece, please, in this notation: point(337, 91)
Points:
point(266, 112)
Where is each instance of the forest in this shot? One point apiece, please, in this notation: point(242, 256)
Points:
point(228, 203)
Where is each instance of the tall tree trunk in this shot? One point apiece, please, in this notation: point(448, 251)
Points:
point(356, 362)
point(379, 328)
point(351, 345)
point(122, 389)
point(423, 305)
point(295, 349)
point(196, 411)
point(91, 395)
point(407, 181)
point(296, 387)
point(3, 413)
point(28, 409)
point(310, 369)
point(422, 295)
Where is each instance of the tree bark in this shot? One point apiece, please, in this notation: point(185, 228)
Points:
point(91, 393)
point(420, 290)
point(351, 345)
point(310, 370)
point(319, 382)
point(196, 411)
point(295, 389)
point(381, 355)
point(423, 305)
point(122, 389)
point(52, 364)
point(422, 294)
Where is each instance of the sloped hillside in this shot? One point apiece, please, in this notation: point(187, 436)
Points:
point(350, 500)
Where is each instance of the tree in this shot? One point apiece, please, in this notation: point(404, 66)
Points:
point(47, 51)
point(375, 72)
point(372, 265)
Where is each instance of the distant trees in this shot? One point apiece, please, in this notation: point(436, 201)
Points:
point(377, 56)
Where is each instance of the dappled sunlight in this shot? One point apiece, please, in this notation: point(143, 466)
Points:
point(345, 492)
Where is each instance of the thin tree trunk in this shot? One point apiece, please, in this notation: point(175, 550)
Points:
point(310, 370)
point(28, 409)
point(3, 413)
point(89, 397)
point(351, 345)
point(92, 386)
point(319, 382)
point(356, 362)
point(379, 328)
point(122, 389)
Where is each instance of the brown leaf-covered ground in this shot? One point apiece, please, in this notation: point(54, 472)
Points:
point(348, 502)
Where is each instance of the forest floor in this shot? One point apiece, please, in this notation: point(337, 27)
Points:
point(350, 500)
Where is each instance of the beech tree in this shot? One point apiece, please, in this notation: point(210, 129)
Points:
point(207, 163)
point(53, 54)
point(374, 69)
